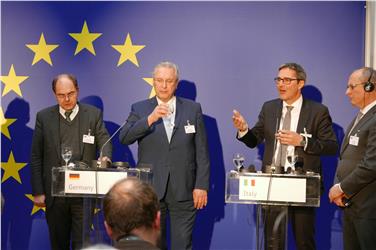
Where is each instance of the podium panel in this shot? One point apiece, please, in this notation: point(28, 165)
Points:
point(92, 185)
point(92, 182)
point(273, 189)
point(267, 190)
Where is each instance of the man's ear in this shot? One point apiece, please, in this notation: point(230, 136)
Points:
point(157, 220)
point(301, 84)
point(108, 229)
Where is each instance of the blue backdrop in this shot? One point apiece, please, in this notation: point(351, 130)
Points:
point(228, 53)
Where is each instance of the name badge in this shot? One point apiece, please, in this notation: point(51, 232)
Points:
point(354, 140)
point(88, 139)
point(190, 129)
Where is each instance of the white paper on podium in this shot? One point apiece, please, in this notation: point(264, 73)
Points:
point(80, 182)
point(281, 188)
point(107, 179)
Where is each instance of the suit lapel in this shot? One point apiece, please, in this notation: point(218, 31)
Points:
point(345, 141)
point(178, 115)
point(303, 117)
point(357, 127)
point(55, 119)
point(82, 122)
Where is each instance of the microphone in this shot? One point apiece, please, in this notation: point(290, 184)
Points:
point(100, 163)
point(275, 142)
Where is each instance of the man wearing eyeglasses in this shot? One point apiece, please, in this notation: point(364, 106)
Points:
point(290, 125)
point(80, 127)
point(171, 137)
point(356, 171)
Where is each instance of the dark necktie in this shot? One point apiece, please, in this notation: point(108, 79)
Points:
point(67, 115)
point(282, 152)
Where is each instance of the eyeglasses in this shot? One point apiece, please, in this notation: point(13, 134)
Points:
point(160, 81)
point(353, 85)
point(285, 81)
point(66, 96)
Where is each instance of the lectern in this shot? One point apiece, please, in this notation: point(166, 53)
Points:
point(264, 189)
point(91, 185)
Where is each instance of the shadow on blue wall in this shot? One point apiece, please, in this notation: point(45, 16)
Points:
point(16, 221)
point(328, 221)
point(120, 152)
point(214, 211)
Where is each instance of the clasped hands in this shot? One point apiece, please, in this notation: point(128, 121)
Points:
point(336, 195)
point(285, 137)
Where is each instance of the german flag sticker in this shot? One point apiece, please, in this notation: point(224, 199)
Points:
point(74, 176)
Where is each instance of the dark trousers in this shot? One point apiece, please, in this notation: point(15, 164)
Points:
point(64, 219)
point(302, 221)
point(358, 233)
point(182, 216)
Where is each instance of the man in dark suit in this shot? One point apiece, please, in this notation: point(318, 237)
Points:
point(132, 216)
point(356, 172)
point(171, 137)
point(310, 135)
point(71, 124)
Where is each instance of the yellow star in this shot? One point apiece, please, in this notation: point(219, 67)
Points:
point(85, 39)
point(11, 169)
point(128, 51)
point(35, 208)
point(96, 211)
point(42, 50)
point(5, 123)
point(150, 82)
point(12, 82)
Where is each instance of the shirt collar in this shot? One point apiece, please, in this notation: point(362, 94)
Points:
point(297, 104)
point(172, 101)
point(368, 107)
point(74, 112)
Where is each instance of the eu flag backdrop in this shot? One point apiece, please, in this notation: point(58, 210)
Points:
point(228, 53)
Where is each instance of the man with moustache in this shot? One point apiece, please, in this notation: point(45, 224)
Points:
point(304, 117)
point(356, 171)
point(171, 137)
point(71, 124)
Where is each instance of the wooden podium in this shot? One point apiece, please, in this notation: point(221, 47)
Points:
point(264, 189)
point(92, 185)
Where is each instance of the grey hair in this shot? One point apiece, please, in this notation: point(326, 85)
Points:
point(167, 64)
point(300, 72)
point(369, 74)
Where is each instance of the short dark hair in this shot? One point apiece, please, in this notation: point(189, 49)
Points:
point(130, 204)
point(70, 76)
point(300, 72)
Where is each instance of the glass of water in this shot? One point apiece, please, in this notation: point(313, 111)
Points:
point(238, 160)
point(66, 153)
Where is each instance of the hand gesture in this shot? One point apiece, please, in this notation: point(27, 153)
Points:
point(239, 121)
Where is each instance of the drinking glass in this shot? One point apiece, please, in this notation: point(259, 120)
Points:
point(292, 159)
point(238, 160)
point(66, 153)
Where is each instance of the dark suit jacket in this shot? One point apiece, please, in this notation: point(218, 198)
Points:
point(356, 169)
point(46, 148)
point(185, 159)
point(314, 117)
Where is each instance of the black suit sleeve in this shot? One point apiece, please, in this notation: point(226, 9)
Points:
point(323, 141)
point(256, 134)
point(365, 171)
point(102, 135)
